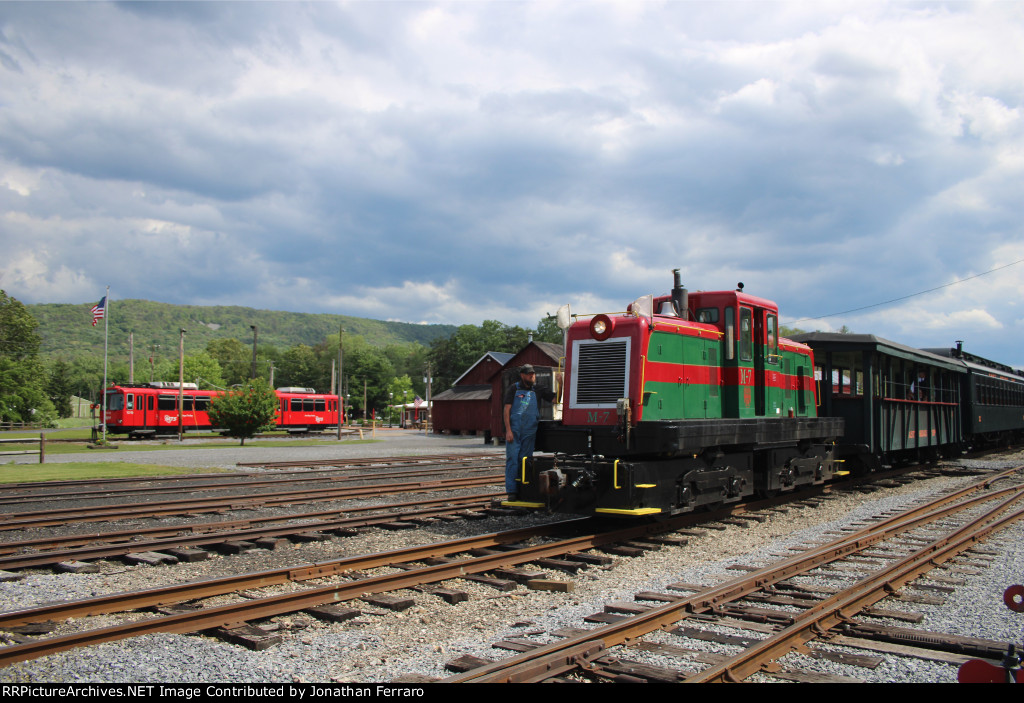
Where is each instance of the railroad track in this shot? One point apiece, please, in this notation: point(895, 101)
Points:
point(444, 563)
point(591, 653)
point(234, 615)
point(125, 511)
point(327, 476)
point(315, 525)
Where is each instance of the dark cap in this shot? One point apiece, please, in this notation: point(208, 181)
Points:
point(528, 368)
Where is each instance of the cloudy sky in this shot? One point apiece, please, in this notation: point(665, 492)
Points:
point(455, 162)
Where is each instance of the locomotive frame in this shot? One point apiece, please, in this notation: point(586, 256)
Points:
point(698, 405)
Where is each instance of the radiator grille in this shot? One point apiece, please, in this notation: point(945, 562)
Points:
point(601, 373)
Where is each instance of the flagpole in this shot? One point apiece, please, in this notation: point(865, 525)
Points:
point(106, 329)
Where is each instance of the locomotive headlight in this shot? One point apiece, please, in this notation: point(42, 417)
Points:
point(601, 327)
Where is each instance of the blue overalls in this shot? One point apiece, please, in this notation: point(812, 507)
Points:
point(522, 418)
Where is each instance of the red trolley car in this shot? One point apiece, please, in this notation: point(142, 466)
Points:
point(152, 409)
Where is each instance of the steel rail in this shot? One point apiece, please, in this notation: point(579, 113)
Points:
point(17, 521)
point(327, 464)
point(563, 656)
point(224, 527)
point(845, 605)
point(303, 477)
point(206, 588)
point(411, 459)
point(199, 539)
point(237, 613)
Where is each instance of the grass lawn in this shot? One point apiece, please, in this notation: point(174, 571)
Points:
point(79, 470)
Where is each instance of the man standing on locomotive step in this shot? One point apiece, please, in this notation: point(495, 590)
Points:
point(522, 412)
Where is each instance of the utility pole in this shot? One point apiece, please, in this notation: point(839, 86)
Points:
point(254, 334)
point(427, 379)
point(131, 358)
point(181, 379)
point(341, 376)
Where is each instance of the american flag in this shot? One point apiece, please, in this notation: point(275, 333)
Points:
point(418, 402)
point(98, 309)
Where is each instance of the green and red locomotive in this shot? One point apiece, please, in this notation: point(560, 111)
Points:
point(684, 400)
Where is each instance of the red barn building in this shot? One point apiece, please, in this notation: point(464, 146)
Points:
point(465, 408)
point(473, 404)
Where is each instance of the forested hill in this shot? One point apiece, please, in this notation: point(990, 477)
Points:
point(67, 330)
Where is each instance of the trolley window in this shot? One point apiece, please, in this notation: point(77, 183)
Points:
point(296, 405)
point(115, 400)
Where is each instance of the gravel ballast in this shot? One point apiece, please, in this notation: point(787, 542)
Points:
point(381, 645)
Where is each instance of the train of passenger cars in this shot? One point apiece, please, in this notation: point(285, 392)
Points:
point(152, 409)
point(693, 399)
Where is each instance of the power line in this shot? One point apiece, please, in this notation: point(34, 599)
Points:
point(896, 300)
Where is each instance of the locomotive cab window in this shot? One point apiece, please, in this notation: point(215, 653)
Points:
point(746, 334)
point(773, 339)
point(709, 315)
point(730, 333)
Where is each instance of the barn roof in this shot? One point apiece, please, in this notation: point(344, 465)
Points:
point(479, 392)
point(500, 357)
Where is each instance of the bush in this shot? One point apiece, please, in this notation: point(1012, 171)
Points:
point(244, 412)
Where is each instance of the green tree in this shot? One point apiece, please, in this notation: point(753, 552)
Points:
point(409, 360)
point(18, 337)
point(362, 363)
point(299, 366)
point(547, 331)
point(234, 358)
point(87, 377)
point(58, 387)
point(23, 396)
point(244, 412)
point(452, 356)
point(203, 370)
